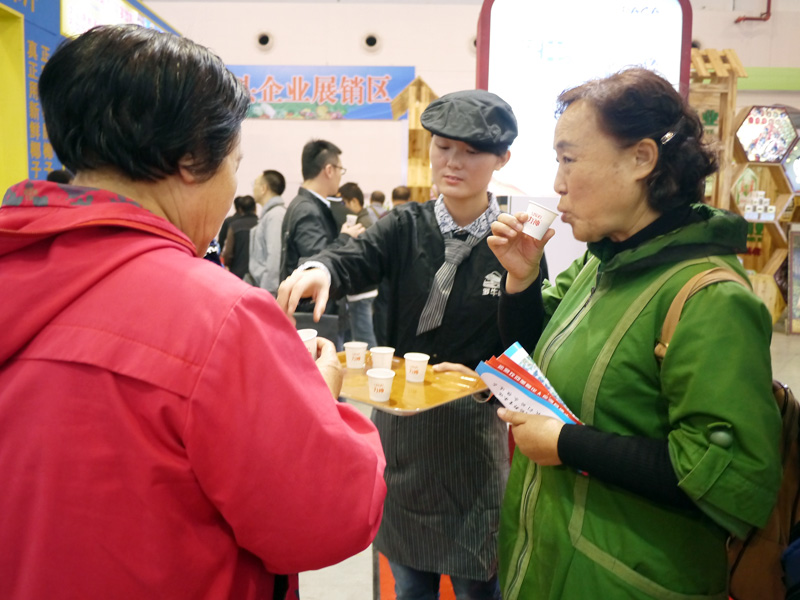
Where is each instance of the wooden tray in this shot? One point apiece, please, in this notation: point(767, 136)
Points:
point(409, 398)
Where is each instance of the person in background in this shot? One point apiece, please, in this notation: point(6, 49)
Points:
point(226, 223)
point(379, 208)
point(446, 467)
point(236, 251)
point(309, 225)
point(353, 199)
point(213, 252)
point(164, 433)
point(359, 306)
point(375, 206)
point(60, 176)
point(672, 457)
point(400, 195)
point(265, 238)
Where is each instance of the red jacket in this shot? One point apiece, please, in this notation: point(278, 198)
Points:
point(163, 431)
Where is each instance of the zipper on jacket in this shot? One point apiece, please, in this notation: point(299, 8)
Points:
point(552, 344)
point(535, 482)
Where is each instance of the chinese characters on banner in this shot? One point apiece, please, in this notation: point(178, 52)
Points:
point(41, 158)
point(322, 92)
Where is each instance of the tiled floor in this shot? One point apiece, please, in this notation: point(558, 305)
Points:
point(353, 578)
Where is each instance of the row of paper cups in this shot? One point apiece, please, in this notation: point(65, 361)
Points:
point(381, 375)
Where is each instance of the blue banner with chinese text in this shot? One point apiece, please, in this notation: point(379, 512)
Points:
point(307, 92)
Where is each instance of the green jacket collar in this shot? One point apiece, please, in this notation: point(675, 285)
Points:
point(712, 232)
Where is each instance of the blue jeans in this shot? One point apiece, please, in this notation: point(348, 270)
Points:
point(410, 584)
point(361, 329)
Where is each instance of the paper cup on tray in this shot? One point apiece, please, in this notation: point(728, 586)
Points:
point(415, 366)
point(539, 220)
point(382, 357)
point(380, 384)
point(356, 353)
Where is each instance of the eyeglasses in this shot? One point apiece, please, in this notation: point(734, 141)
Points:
point(344, 170)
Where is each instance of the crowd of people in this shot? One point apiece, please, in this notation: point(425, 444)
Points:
point(164, 433)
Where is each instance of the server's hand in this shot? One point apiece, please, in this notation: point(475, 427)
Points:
point(308, 283)
point(457, 367)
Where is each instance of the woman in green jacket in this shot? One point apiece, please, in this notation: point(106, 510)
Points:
point(672, 457)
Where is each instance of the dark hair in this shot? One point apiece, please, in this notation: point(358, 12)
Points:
point(60, 176)
point(139, 101)
point(317, 154)
point(275, 181)
point(378, 197)
point(350, 190)
point(246, 204)
point(401, 192)
point(635, 104)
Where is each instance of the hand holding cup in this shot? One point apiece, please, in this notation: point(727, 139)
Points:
point(519, 254)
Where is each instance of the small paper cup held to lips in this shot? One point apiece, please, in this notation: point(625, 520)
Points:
point(351, 220)
point(382, 357)
point(309, 337)
point(356, 353)
point(415, 366)
point(380, 384)
point(539, 220)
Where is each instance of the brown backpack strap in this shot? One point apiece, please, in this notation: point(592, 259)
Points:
point(695, 284)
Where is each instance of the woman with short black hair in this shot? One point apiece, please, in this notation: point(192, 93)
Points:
point(164, 433)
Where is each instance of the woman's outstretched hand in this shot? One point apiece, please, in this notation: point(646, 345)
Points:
point(519, 253)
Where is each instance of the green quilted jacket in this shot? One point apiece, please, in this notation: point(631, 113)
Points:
point(569, 536)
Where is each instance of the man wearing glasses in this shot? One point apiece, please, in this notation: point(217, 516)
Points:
point(308, 226)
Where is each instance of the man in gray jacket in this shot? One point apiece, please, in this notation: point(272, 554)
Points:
point(265, 238)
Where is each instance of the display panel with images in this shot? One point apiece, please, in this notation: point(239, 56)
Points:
point(791, 167)
point(766, 134)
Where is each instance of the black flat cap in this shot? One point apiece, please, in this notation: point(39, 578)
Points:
point(481, 119)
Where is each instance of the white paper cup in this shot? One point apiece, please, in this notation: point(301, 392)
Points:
point(382, 357)
point(351, 220)
point(539, 220)
point(415, 366)
point(309, 337)
point(380, 384)
point(356, 353)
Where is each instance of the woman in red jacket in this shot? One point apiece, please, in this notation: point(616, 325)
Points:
point(164, 432)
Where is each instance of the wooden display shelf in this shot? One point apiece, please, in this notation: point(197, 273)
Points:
point(414, 99)
point(714, 76)
point(769, 251)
